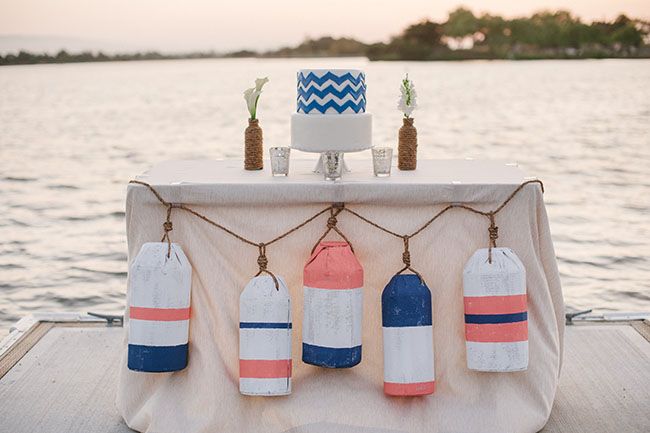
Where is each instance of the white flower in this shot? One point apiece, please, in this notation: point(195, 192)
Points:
point(252, 96)
point(407, 101)
point(260, 82)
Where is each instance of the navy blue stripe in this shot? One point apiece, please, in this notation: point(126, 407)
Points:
point(157, 359)
point(496, 318)
point(330, 357)
point(406, 301)
point(264, 325)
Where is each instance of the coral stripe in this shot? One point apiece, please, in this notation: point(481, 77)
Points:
point(495, 304)
point(159, 314)
point(405, 389)
point(497, 333)
point(264, 369)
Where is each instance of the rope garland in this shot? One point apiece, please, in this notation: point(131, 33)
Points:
point(335, 210)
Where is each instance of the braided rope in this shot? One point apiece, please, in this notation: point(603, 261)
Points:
point(335, 210)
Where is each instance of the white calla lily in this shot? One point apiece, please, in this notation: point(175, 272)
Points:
point(260, 82)
point(252, 96)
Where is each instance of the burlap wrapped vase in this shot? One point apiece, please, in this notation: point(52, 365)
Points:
point(408, 146)
point(253, 146)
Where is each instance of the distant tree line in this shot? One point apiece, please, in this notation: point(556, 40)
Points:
point(463, 35)
point(26, 58)
point(542, 35)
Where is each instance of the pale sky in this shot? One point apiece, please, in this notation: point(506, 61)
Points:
point(182, 25)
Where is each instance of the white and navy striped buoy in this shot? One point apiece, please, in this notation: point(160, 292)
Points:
point(265, 338)
point(496, 314)
point(159, 308)
point(408, 337)
point(333, 307)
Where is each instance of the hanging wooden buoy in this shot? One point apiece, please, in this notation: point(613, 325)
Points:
point(160, 279)
point(496, 317)
point(333, 307)
point(408, 337)
point(265, 337)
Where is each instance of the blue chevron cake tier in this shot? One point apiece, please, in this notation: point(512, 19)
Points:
point(331, 111)
point(331, 91)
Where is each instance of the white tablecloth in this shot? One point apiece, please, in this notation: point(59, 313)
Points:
point(205, 398)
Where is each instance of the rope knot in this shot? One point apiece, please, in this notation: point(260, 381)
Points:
point(406, 255)
point(494, 233)
point(262, 261)
point(493, 230)
point(168, 226)
point(406, 258)
point(331, 222)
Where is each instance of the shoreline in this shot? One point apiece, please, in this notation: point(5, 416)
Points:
point(118, 59)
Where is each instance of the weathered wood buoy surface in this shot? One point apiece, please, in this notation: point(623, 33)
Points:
point(496, 313)
point(408, 337)
point(265, 338)
point(159, 308)
point(333, 307)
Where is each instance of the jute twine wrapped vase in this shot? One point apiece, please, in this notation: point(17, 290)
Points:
point(407, 148)
point(253, 146)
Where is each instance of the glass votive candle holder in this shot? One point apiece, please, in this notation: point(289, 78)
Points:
point(280, 160)
point(382, 158)
point(332, 164)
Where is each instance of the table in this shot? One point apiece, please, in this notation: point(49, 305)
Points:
point(205, 396)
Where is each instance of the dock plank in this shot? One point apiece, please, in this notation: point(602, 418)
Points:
point(605, 382)
point(67, 382)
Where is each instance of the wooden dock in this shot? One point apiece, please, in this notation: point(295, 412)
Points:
point(57, 374)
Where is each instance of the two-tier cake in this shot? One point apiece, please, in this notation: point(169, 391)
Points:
point(331, 113)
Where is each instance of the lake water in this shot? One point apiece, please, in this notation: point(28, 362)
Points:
point(71, 136)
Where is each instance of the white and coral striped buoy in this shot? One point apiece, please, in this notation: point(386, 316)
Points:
point(265, 338)
point(408, 337)
point(496, 314)
point(159, 308)
point(333, 307)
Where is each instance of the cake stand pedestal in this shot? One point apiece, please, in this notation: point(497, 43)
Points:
point(321, 160)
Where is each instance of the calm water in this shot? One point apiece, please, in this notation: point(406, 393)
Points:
point(71, 136)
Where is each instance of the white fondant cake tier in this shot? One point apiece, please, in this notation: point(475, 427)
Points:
point(341, 132)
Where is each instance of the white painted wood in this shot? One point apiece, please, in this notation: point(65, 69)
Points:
point(504, 276)
point(158, 333)
point(262, 302)
point(265, 338)
point(497, 357)
point(264, 344)
point(158, 281)
point(267, 387)
point(408, 354)
point(335, 317)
